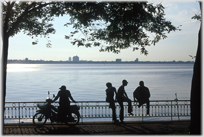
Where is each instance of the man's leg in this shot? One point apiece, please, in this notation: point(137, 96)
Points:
point(61, 113)
point(112, 104)
point(64, 114)
point(121, 110)
point(129, 104)
point(147, 107)
point(69, 113)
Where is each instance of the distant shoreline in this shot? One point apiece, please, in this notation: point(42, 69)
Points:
point(99, 62)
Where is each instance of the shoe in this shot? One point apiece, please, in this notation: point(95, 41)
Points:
point(122, 122)
point(116, 121)
point(131, 113)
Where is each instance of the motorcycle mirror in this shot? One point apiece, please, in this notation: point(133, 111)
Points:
point(48, 92)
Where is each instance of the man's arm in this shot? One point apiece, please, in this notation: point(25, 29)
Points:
point(148, 93)
point(115, 93)
point(134, 96)
point(56, 97)
point(124, 93)
point(70, 96)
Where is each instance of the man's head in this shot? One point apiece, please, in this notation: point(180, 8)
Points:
point(108, 84)
point(124, 82)
point(141, 83)
point(63, 87)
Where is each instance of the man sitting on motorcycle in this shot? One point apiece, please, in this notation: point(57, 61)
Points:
point(64, 103)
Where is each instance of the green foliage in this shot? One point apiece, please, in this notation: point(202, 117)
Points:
point(33, 18)
point(193, 57)
point(120, 25)
point(197, 17)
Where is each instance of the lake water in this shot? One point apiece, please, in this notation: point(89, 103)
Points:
point(31, 82)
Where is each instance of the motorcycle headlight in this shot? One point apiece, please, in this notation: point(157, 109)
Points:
point(48, 100)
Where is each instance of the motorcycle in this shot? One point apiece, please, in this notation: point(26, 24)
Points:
point(47, 111)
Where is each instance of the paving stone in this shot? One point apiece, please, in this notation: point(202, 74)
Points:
point(100, 128)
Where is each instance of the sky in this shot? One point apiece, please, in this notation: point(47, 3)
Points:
point(177, 46)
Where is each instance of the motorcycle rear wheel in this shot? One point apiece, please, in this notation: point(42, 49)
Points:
point(39, 119)
point(75, 121)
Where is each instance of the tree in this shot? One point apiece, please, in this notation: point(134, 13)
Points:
point(196, 95)
point(33, 18)
point(128, 25)
point(125, 24)
point(122, 25)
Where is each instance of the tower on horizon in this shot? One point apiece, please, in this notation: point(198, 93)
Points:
point(76, 58)
point(137, 60)
point(118, 60)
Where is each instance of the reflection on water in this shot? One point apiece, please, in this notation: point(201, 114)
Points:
point(22, 67)
point(86, 82)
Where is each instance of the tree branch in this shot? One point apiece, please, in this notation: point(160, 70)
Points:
point(29, 9)
point(9, 7)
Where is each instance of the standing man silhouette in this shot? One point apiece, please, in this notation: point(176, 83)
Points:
point(122, 97)
point(64, 103)
point(142, 95)
point(110, 98)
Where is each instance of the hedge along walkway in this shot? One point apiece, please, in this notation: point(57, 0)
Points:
point(101, 128)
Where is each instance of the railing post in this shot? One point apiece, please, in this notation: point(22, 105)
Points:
point(19, 112)
point(171, 110)
point(142, 113)
point(81, 115)
point(177, 110)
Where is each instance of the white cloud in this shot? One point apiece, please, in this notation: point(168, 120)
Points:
point(170, 6)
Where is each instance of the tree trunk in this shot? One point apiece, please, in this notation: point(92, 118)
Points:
point(195, 125)
point(4, 68)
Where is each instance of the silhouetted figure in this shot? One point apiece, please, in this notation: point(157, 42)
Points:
point(64, 103)
point(142, 95)
point(50, 109)
point(122, 97)
point(110, 98)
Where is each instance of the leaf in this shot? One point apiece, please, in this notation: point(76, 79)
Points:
point(34, 43)
point(67, 37)
point(88, 45)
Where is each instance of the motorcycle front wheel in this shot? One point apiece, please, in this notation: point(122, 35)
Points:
point(75, 119)
point(39, 119)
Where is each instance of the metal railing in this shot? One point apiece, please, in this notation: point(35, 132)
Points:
point(100, 109)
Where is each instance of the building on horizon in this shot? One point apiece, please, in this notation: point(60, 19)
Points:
point(137, 60)
point(118, 60)
point(75, 58)
point(70, 59)
point(26, 60)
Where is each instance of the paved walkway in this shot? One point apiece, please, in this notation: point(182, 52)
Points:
point(101, 128)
